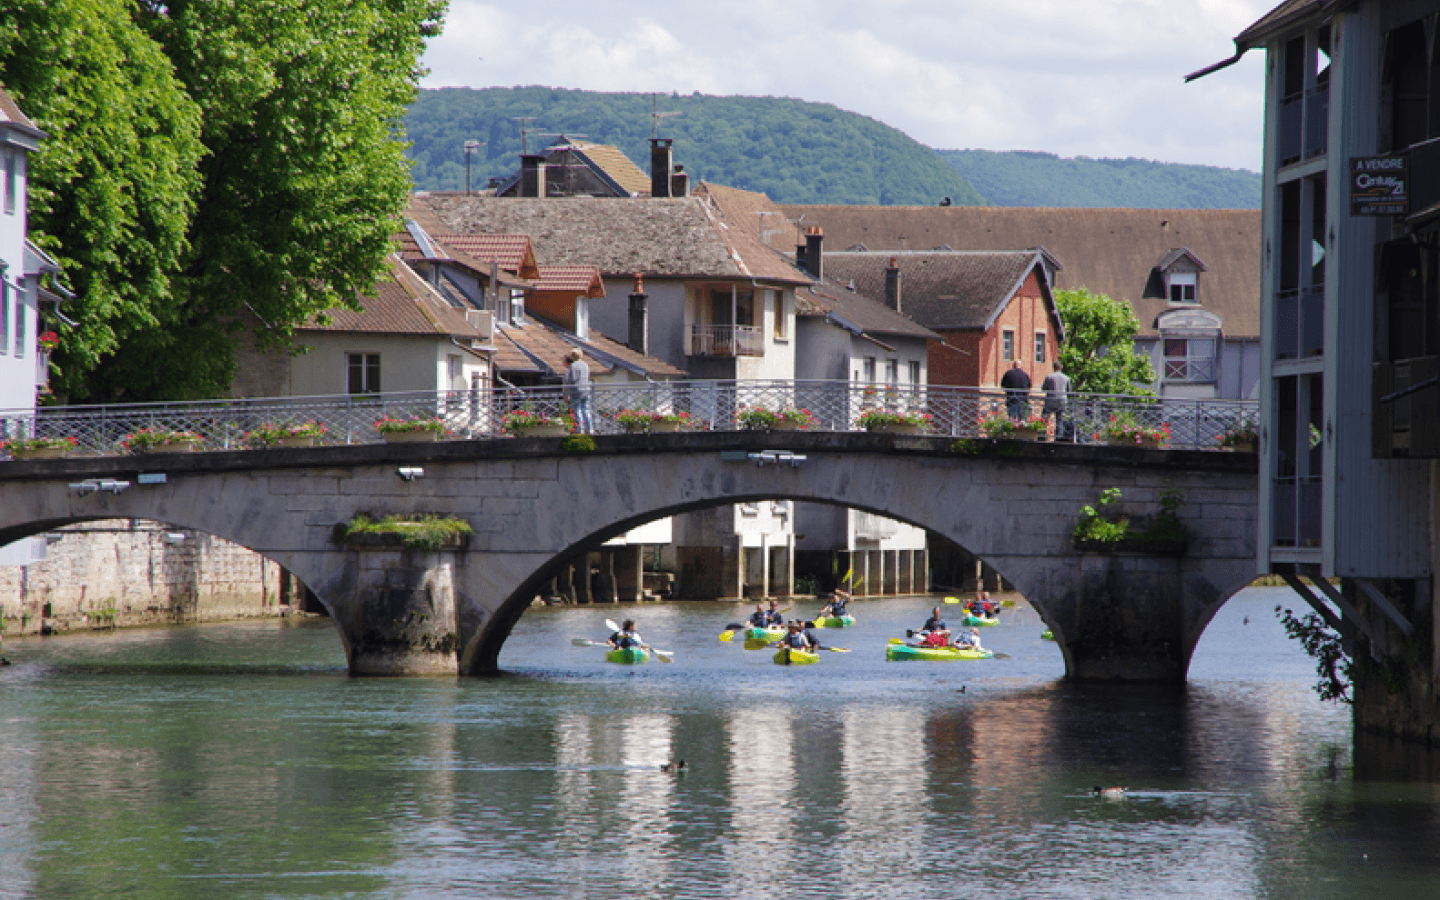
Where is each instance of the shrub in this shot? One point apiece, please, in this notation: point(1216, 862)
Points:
point(578, 443)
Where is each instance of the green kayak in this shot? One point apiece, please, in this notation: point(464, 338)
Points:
point(627, 656)
point(786, 656)
point(773, 633)
point(834, 621)
point(1047, 635)
point(971, 621)
point(902, 652)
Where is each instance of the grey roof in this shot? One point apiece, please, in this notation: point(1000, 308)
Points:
point(675, 238)
point(941, 290)
point(829, 297)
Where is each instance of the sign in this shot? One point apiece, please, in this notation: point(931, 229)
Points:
point(151, 478)
point(1379, 185)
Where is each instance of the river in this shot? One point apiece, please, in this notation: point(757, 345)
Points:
point(239, 760)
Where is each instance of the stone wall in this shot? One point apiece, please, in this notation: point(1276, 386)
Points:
point(124, 572)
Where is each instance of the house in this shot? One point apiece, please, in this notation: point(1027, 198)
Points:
point(1191, 275)
point(23, 365)
point(716, 304)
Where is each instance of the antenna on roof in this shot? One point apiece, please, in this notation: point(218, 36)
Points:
point(656, 116)
point(524, 132)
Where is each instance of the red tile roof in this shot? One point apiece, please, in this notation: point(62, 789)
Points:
point(571, 280)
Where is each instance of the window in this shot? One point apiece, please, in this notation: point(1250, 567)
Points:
point(582, 318)
point(4, 312)
point(1039, 346)
point(455, 372)
point(19, 325)
point(517, 307)
point(1182, 293)
point(12, 163)
point(1007, 345)
point(914, 372)
point(362, 372)
point(782, 322)
point(869, 370)
point(1189, 359)
point(892, 371)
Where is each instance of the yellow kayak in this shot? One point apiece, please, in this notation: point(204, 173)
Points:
point(786, 656)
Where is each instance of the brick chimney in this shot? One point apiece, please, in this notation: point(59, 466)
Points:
point(680, 182)
point(532, 175)
point(639, 336)
point(814, 263)
point(892, 284)
point(660, 167)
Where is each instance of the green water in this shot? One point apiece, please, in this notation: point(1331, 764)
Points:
point(240, 761)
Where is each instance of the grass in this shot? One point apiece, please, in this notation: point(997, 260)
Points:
point(426, 532)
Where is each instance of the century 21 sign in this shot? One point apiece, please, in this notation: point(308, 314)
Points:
point(1379, 185)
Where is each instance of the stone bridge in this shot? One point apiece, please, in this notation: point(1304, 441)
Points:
point(1126, 616)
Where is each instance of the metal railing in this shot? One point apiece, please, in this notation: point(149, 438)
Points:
point(697, 405)
point(726, 340)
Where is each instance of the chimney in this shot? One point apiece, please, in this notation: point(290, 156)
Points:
point(680, 182)
point(892, 284)
point(532, 175)
point(639, 337)
point(660, 167)
point(813, 263)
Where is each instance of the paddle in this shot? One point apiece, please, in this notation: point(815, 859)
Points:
point(662, 655)
point(727, 634)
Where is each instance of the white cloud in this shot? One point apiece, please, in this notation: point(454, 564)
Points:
point(1098, 78)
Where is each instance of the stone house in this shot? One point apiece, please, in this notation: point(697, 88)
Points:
point(1191, 275)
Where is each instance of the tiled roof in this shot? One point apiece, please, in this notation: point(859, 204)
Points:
point(539, 346)
point(674, 238)
point(655, 368)
point(1109, 251)
point(748, 218)
point(617, 165)
point(511, 252)
point(410, 251)
point(939, 290)
point(572, 280)
point(401, 303)
point(869, 315)
point(11, 114)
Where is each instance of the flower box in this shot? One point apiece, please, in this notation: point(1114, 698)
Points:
point(41, 452)
point(301, 441)
point(172, 447)
point(666, 426)
point(547, 429)
point(900, 428)
point(1240, 447)
point(411, 437)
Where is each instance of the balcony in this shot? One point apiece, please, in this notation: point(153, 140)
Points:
point(727, 340)
point(1296, 508)
point(1191, 371)
point(1317, 120)
point(1300, 323)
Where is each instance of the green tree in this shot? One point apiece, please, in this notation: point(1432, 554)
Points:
point(1099, 349)
point(290, 185)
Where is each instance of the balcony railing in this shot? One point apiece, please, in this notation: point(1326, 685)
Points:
point(1300, 323)
point(1196, 371)
point(834, 406)
point(1292, 128)
point(1317, 120)
point(727, 340)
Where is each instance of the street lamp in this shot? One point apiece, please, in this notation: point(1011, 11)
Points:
point(470, 145)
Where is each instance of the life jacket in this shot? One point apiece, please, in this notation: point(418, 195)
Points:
point(759, 619)
point(934, 625)
point(837, 608)
point(796, 641)
point(934, 640)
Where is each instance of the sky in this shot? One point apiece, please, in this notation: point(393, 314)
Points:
point(1098, 78)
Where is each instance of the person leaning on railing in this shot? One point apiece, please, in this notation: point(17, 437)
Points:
point(1056, 387)
point(1016, 383)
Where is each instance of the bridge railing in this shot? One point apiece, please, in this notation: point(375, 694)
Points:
point(616, 408)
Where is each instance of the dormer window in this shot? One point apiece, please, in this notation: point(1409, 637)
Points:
point(1181, 287)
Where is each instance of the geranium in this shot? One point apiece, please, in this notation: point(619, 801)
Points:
point(272, 433)
point(520, 420)
point(392, 425)
point(876, 419)
point(150, 438)
point(1242, 432)
point(38, 443)
point(685, 419)
point(634, 419)
point(48, 340)
point(1002, 426)
point(1123, 429)
point(757, 417)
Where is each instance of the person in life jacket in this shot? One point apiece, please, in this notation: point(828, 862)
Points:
point(795, 638)
point(836, 607)
point(970, 640)
point(773, 616)
point(627, 636)
point(759, 618)
point(935, 632)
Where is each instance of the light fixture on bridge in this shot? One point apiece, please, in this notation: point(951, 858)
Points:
point(777, 456)
point(410, 473)
point(92, 485)
point(174, 537)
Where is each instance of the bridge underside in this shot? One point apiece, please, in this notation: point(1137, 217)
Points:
point(1129, 617)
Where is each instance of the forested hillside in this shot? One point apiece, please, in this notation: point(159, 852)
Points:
point(1022, 178)
point(792, 150)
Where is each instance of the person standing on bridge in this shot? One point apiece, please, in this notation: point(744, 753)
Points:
point(1016, 383)
point(1057, 387)
point(577, 390)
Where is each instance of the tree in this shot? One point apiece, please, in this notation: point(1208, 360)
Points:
point(1099, 350)
point(291, 187)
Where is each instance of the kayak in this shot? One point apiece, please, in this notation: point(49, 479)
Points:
point(971, 621)
point(774, 633)
point(834, 621)
point(786, 656)
point(903, 652)
point(1047, 635)
point(628, 656)
point(953, 600)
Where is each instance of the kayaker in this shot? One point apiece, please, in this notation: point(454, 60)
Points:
point(759, 618)
point(794, 638)
point(936, 634)
point(970, 640)
point(773, 616)
point(836, 608)
point(809, 635)
point(627, 636)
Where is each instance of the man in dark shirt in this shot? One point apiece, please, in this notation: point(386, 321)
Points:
point(1016, 383)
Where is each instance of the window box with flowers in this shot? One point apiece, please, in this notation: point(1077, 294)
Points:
point(893, 422)
point(422, 429)
point(756, 418)
point(529, 423)
point(634, 420)
point(1239, 438)
point(673, 421)
point(39, 448)
point(285, 434)
point(1124, 431)
point(1001, 427)
point(161, 440)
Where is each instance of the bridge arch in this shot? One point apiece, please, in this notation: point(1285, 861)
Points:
point(1012, 505)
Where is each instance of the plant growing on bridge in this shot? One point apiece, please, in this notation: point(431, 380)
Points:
point(1335, 668)
point(1124, 428)
point(577, 443)
point(1242, 433)
point(426, 532)
point(1001, 426)
point(1165, 536)
point(16, 446)
point(272, 433)
point(875, 419)
point(756, 418)
point(147, 439)
point(392, 425)
point(519, 420)
point(1094, 525)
